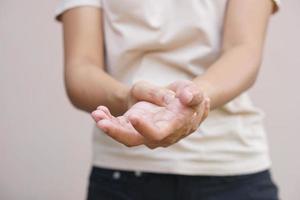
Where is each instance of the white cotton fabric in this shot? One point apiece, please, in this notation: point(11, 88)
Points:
point(162, 41)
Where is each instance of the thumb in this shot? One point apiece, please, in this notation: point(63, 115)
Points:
point(190, 95)
point(145, 91)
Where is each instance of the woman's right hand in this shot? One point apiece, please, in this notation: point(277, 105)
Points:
point(186, 91)
point(145, 91)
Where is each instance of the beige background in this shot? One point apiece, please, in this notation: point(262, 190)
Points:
point(45, 143)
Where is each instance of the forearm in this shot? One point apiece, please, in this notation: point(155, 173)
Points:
point(88, 86)
point(233, 73)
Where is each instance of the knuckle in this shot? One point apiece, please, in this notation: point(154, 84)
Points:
point(165, 145)
point(153, 93)
point(151, 146)
point(134, 87)
point(160, 93)
point(129, 144)
point(169, 140)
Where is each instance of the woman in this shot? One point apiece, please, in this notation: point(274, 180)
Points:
point(175, 72)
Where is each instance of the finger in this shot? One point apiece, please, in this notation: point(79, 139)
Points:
point(206, 109)
point(99, 115)
point(105, 110)
point(108, 114)
point(152, 145)
point(190, 95)
point(145, 91)
point(121, 134)
point(123, 121)
point(169, 141)
point(176, 85)
point(176, 136)
point(150, 132)
point(201, 114)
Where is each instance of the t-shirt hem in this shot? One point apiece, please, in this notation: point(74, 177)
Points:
point(186, 169)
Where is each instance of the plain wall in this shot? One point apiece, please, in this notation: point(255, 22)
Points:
point(45, 144)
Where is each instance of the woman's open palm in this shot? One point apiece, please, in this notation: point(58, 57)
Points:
point(152, 125)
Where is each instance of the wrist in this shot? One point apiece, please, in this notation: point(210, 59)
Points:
point(207, 89)
point(120, 99)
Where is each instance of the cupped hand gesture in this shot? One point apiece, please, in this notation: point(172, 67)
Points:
point(160, 119)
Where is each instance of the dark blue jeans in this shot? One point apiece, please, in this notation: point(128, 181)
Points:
point(108, 184)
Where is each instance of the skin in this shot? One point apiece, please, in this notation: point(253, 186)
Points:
point(145, 116)
point(153, 125)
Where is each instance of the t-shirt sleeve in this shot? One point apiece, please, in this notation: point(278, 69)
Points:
point(65, 5)
point(277, 5)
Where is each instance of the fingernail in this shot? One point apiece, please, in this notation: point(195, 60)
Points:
point(189, 96)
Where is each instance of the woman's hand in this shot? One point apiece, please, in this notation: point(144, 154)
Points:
point(186, 91)
point(154, 125)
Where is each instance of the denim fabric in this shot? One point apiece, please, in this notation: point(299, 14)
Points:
point(106, 184)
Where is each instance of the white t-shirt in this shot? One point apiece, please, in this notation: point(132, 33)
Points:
point(162, 41)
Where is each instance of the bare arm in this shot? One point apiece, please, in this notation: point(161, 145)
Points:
point(243, 38)
point(234, 72)
point(87, 84)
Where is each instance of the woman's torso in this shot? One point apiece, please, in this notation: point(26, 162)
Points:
point(163, 41)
